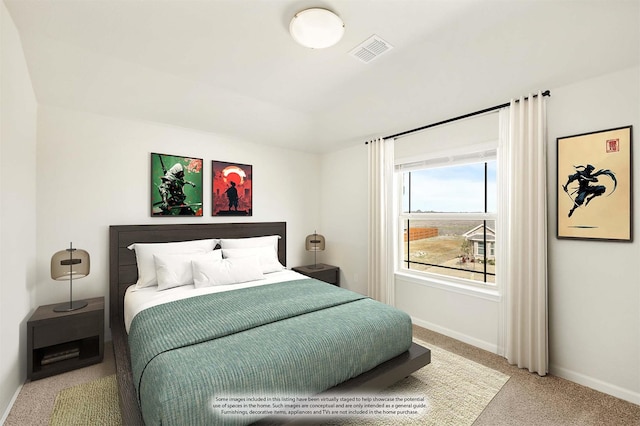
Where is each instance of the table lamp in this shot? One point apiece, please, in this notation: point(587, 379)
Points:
point(66, 265)
point(314, 243)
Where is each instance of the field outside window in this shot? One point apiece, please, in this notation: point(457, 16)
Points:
point(446, 247)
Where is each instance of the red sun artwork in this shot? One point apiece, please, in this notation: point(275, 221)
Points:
point(232, 189)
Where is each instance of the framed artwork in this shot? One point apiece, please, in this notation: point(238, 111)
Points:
point(594, 185)
point(176, 185)
point(232, 189)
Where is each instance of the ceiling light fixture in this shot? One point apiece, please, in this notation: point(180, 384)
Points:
point(316, 28)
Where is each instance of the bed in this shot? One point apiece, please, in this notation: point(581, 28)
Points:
point(310, 362)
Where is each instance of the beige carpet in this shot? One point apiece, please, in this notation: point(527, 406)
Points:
point(456, 391)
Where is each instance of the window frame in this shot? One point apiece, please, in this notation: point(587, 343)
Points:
point(403, 217)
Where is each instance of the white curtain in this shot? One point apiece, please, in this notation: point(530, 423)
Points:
point(523, 227)
point(381, 206)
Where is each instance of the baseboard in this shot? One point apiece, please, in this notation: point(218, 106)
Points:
point(10, 406)
point(487, 346)
point(599, 385)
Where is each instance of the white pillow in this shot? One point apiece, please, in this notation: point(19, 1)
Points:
point(174, 270)
point(145, 252)
point(252, 242)
point(268, 258)
point(225, 271)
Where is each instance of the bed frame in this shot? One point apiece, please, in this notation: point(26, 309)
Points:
point(123, 273)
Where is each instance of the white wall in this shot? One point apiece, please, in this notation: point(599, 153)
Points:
point(594, 287)
point(467, 315)
point(343, 213)
point(93, 171)
point(18, 110)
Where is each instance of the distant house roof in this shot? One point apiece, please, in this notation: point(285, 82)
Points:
point(480, 237)
point(477, 234)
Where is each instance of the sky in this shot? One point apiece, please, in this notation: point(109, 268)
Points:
point(451, 189)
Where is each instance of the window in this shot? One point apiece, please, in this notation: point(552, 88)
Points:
point(448, 218)
point(480, 250)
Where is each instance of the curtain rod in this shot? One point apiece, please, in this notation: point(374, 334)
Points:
point(482, 111)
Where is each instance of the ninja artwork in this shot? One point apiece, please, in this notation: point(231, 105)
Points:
point(594, 185)
point(176, 185)
point(232, 189)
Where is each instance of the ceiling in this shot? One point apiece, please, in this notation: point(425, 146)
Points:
point(230, 67)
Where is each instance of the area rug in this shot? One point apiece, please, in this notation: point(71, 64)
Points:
point(455, 391)
point(93, 403)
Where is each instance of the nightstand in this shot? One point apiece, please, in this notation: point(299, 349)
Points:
point(63, 341)
point(329, 274)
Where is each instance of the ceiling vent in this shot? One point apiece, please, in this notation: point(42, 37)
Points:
point(370, 49)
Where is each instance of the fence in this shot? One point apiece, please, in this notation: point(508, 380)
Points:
point(420, 233)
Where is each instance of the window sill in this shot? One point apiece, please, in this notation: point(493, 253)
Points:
point(491, 294)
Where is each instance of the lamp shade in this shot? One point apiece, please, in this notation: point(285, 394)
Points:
point(67, 265)
point(314, 242)
point(316, 28)
point(70, 264)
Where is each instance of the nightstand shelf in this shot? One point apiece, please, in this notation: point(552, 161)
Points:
point(63, 341)
point(323, 272)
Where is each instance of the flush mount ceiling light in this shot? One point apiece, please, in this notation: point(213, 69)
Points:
point(316, 28)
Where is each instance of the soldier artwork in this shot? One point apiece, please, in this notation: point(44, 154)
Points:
point(171, 189)
point(588, 187)
point(232, 189)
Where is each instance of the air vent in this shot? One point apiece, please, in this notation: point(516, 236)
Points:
point(370, 49)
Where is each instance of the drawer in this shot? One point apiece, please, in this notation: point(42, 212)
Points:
point(68, 328)
point(329, 275)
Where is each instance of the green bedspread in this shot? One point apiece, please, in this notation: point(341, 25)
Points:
point(292, 338)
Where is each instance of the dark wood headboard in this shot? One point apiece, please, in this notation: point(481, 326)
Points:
point(123, 270)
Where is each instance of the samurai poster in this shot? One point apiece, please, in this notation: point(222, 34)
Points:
point(595, 185)
point(176, 185)
point(232, 189)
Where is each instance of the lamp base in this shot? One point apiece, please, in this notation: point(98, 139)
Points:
point(71, 306)
point(316, 266)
